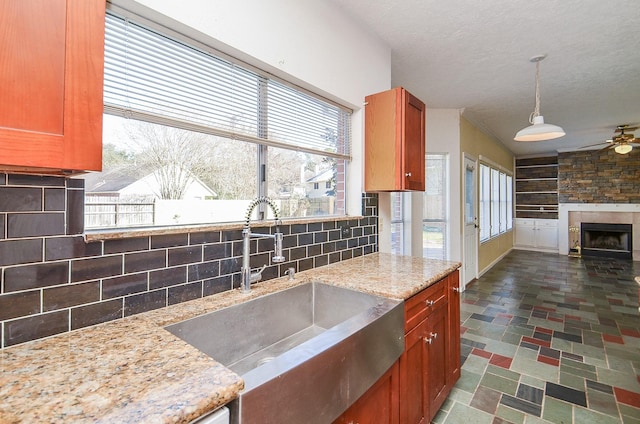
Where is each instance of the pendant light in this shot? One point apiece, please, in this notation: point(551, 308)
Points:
point(538, 131)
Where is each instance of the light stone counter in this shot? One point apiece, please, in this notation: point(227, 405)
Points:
point(132, 370)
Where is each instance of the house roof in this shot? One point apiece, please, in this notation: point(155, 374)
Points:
point(325, 175)
point(119, 178)
point(112, 180)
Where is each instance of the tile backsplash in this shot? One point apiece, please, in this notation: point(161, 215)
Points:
point(53, 281)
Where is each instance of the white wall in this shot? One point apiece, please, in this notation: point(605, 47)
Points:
point(311, 43)
point(443, 136)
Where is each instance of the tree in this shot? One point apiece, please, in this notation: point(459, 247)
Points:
point(112, 156)
point(231, 168)
point(175, 156)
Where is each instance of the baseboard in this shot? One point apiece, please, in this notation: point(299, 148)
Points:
point(537, 249)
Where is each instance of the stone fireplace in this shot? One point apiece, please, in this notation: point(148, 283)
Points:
point(610, 219)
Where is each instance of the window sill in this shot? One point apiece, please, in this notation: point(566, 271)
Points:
point(121, 233)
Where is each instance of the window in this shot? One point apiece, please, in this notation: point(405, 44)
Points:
point(434, 216)
point(509, 202)
point(496, 202)
point(434, 211)
point(397, 223)
point(485, 202)
point(191, 136)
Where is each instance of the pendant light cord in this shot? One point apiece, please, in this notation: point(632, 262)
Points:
point(536, 110)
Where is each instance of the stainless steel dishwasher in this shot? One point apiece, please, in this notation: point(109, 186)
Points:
point(219, 416)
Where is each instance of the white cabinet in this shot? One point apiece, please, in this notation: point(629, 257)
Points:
point(536, 234)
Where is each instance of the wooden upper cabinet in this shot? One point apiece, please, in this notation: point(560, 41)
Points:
point(394, 142)
point(51, 74)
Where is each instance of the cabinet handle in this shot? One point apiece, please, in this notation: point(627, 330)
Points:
point(408, 174)
point(456, 289)
point(427, 340)
point(429, 302)
point(434, 335)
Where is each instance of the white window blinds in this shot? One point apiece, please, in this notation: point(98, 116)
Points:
point(152, 77)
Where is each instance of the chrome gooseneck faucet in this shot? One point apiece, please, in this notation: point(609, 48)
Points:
point(249, 277)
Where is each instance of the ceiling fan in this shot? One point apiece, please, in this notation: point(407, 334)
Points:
point(623, 141)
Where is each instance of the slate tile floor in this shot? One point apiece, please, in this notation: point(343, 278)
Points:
point(549, 339)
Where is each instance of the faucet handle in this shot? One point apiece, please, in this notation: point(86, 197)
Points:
point(292, 273)
point(256, 276)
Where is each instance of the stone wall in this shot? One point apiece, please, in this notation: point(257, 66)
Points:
point(594, 176)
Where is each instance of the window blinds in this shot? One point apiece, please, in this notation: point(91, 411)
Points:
point(155, 78)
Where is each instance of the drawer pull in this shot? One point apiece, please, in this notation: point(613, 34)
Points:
point(427, 340)
point(429, 302)
point(408, 174)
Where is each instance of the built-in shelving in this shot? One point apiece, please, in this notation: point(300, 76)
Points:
point(537, 187)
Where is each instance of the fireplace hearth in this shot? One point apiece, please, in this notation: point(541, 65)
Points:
point(606, 240)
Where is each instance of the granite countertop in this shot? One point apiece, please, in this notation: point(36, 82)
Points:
point(132, 370)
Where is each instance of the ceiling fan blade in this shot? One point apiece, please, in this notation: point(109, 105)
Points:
point(606, 148)
point(593, 145)
point(625, 128)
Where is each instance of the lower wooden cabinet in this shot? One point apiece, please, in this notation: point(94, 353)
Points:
point(425, 372)
point(414, 376)
point(415, 387)
point(454, 327)
point(437, 342)
point(379, 405)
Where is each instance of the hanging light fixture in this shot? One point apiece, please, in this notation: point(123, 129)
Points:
point(623, 149)
point(538, 131)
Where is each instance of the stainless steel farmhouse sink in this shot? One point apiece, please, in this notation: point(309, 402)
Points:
point(305, 353)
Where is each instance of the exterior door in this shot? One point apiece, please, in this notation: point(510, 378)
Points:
point(470, 257)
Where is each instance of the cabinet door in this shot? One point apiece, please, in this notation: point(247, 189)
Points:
point(51, 74)
point(379, 405)
point(414, 396)
point(525, 234)
point(454, 328)
point(413, 143)
point(437, 342)
point(547, 235)
point(394, 141)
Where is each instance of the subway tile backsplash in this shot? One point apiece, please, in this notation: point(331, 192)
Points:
point(53, 281)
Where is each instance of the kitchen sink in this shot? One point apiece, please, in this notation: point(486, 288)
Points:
point(305, 353)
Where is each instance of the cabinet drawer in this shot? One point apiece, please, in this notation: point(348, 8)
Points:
point(419, 306)
point(547, 223)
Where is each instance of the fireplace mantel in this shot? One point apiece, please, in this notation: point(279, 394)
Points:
point(630, 210)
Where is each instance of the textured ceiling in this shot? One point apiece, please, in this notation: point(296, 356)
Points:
point(474, 55)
